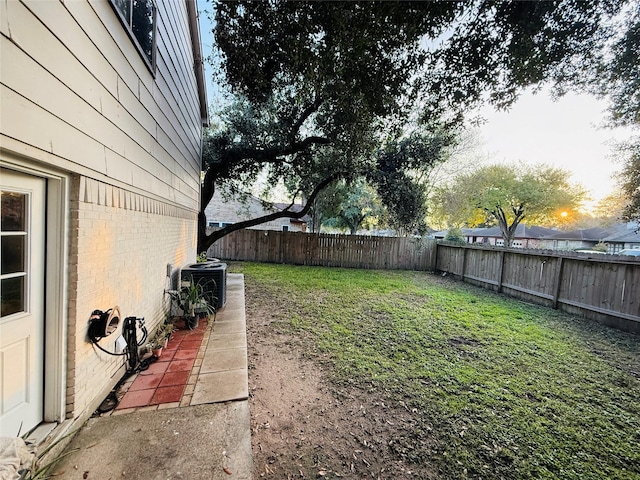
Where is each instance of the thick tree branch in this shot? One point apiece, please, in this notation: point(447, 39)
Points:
point(508, 230)
point(207, 240)
point(236, 155)
point(306, 113)
point(208, 187)
point(266, 155)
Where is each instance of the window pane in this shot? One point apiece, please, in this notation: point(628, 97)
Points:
point(142, 26)
point(13, 212)
point(124, 6)
point(13, 254)
point(12, 295)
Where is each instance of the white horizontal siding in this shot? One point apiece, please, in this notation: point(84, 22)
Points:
point(75, 86)
point(38, 128)
point(177, 70)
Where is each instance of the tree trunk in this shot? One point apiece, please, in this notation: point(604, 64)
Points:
point(508, 231)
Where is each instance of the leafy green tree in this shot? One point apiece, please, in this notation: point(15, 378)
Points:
point(360, 206)
point(349, 77)
point(464, 49)
point(608, 211)
point(506, 196)
point(252, 145)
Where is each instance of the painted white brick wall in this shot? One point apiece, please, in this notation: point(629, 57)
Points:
point(121, 246)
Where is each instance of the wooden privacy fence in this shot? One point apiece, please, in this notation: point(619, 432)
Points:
point(602, 287)
point(328, 250)
point(605, 288)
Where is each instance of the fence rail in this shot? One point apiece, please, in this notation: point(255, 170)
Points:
point(601, 287)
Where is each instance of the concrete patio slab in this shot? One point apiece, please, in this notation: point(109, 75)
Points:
point(176, 443)
point(235, 312)
point(223, 341)
point(229, 327)
point(221, 387)
point(230, 359)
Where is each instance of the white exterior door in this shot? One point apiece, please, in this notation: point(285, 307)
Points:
point(22, 233)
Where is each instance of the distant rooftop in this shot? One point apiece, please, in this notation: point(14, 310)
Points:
point(621, 232)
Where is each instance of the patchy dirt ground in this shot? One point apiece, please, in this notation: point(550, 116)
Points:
point(305, 427)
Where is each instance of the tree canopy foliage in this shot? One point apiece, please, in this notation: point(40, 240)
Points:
point(617, 76)
point(335, 90)
point(507, 195)
point(629, 178)
point(359, 206)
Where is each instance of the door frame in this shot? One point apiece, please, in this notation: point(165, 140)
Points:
point(56, 282)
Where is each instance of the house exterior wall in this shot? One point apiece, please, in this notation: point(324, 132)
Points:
point(78, 100)
point(220, 212)
point(562, 244)
point(128, 270)
point(81, 76)
point(499, 241)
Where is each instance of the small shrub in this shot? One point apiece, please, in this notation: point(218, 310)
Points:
point(601, 247)
point(454, 235)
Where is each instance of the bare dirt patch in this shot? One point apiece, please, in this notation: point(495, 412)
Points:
point(305, 426)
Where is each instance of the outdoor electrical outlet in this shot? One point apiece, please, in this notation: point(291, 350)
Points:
point(120, 345)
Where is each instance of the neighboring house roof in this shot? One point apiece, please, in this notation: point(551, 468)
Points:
point(627, 232)
point(621, 232)
point(466, 232)
point(296, 207)
point(198, 66)
point(588, 234)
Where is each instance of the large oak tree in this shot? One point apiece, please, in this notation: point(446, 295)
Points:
point(328, 90)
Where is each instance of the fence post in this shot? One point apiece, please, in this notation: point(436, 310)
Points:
point(501, 271)
point(464, 261)
point(434, 263)
point(558, 280)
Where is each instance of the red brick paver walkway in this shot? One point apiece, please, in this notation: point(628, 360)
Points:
point(170, 381)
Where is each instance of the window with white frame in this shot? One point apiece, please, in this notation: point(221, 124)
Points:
point(139, 19)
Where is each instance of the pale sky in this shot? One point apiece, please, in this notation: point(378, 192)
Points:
point(565, 133)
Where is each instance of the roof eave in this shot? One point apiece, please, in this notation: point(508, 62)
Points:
point(198, 66)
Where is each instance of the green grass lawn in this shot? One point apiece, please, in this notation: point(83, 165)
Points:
point(508, 389)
